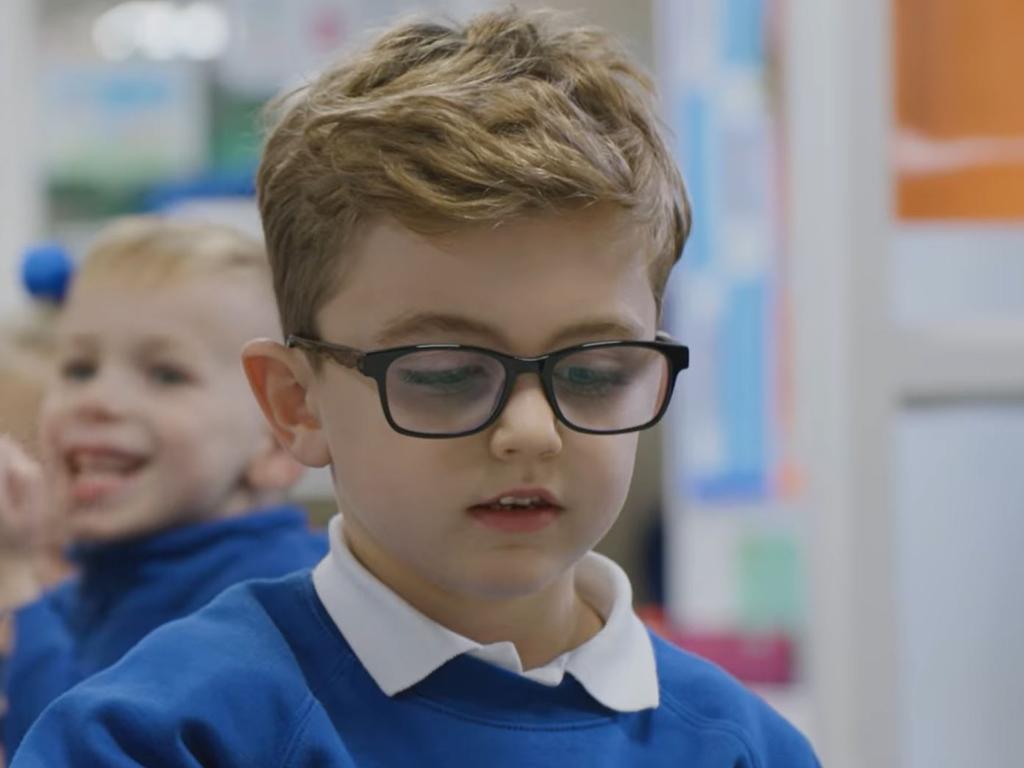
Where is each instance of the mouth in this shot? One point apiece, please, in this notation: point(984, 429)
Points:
point(98, 473)
point(523, 510)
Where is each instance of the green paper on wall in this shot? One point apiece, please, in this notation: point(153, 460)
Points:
point(769, 582)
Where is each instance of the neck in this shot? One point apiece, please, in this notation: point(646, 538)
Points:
point(242, 500)
point(542, 625)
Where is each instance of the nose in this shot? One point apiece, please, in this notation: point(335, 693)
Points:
point(527, 427)
point(102, 398)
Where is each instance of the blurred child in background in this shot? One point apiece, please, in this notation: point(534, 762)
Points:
point(156, 460)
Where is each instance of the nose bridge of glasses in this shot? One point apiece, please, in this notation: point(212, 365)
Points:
point(519, 365)
point(522, 391)
point(516, 366)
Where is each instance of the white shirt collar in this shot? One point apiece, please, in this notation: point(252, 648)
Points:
point(399, 646)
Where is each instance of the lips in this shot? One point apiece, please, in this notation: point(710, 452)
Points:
point(99, 472)
point(540, 497)
point(103, 460)
point(521, 510)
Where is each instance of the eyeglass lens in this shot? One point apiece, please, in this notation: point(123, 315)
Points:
point(603, 389)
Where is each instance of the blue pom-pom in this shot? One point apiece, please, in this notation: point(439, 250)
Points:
point(46, 271)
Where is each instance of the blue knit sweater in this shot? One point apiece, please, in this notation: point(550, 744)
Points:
point(126, 590)
point(262, 677)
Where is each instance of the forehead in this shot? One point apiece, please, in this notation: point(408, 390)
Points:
point(527, 279)
point(215, 311)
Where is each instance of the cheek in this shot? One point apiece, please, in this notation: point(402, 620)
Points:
point(605, 464)
point(48, 424)
point(364, 450)
point(180, 424)
point(202, 436)
point(52, 416)
point(392, 481)
point(381, 469)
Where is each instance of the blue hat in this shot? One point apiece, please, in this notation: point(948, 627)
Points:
point(46, 270)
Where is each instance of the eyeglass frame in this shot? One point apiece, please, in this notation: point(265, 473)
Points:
point(374, 364)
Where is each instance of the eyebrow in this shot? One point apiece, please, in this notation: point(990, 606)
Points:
point(159, 345)
point(411, 324)
point(77, 340)
point(148, 345)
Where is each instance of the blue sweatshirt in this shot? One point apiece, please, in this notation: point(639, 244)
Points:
point(262, 677)
point(126, 590)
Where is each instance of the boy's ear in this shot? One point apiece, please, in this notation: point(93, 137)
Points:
point(279, 380)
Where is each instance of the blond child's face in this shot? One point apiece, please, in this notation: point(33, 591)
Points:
point(148, 422)
point(524, 288)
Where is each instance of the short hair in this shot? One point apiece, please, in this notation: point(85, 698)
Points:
point(442, 126)
point(153, 249)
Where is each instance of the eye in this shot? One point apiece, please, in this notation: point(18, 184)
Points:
point(168, 375)
point(444, 372)
point(590, 381)
point(77, 370)
point(445, 379)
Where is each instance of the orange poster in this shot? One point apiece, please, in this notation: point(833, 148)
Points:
point(959, 112)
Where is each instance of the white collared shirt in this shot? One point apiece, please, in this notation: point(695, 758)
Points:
point(399, 646)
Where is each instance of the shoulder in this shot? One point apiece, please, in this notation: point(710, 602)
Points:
point(288, 524)
point(255, 549)
point(60, 595)
point(706, 697)
point(255, 630)
point(229, 683)
point(52, 606)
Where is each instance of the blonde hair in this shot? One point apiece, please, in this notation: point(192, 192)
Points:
point(153, 249)
point(441, 126)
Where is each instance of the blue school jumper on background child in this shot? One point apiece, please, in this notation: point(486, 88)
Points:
point(335, 670)
point(125, 590)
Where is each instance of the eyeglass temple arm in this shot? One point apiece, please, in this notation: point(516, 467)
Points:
point(345, 356)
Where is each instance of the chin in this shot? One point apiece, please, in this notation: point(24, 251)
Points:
point(103, 526)
point(91, 532)
point(514, 580)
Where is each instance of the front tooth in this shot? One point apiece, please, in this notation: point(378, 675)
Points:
point(517, 501)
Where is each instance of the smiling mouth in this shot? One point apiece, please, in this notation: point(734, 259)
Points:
point(98, 474)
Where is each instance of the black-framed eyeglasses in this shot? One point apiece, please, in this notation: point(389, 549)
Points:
point(454, 390)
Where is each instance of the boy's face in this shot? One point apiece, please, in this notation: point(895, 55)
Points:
point(524, 288)
point(148, 423)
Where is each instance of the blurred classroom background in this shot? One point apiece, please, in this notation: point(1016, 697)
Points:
point(834, 508)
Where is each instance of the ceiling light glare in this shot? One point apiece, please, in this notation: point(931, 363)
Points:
point(161, 30)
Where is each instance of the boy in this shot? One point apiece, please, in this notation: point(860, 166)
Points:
point(470, 228)
point(162, 515)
